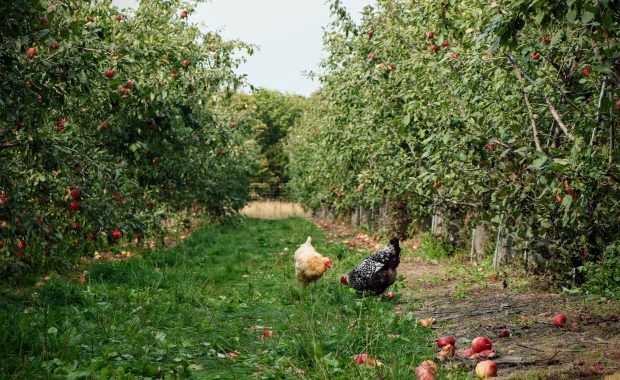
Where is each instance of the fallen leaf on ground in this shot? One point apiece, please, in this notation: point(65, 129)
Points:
point(427, 322)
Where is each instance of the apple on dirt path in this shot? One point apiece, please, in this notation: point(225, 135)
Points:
point(486, 368)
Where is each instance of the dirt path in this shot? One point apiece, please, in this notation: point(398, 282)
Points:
point(513, 313)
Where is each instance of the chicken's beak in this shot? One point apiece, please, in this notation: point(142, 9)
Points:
point(343, 280)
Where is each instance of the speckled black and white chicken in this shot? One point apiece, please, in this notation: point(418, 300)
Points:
point(377, 272)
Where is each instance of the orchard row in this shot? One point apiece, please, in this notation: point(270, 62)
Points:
point(110, 122)
point(495, 114)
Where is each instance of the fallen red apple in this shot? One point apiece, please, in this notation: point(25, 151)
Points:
point(486, 368)
point(429, 363)
point(480, 344)
point(578, 362)
point(233, 124)
point(130, 84)
point(373, 56)
point(123, 90)
point(173, 74)
point(445, 340)
point(370, 32)
point(503, 334)
point(82, 280)
point(21, 244)
point(117, 234)
point(340, 195)
point(559, 320)
point(267, 334)
point(485, 355)
point(54, 46)
point(534, 56)
point(425, 372)
point(360, 358)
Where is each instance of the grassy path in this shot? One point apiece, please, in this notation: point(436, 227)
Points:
point(181, 312)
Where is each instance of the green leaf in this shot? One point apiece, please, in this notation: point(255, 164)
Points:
point(538, 163)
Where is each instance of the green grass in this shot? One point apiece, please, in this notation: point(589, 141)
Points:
point(176, 313)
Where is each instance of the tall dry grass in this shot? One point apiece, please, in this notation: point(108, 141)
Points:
point(270, 209)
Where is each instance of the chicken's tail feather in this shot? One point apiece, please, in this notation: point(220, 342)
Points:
point(394, 242)
point(309, 240)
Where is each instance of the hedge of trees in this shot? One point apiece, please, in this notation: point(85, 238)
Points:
point(501, 114)
point(110, 121)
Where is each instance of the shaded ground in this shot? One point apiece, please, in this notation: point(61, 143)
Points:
point(468, 302)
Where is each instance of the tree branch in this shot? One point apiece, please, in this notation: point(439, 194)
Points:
point(6, 145)
point(526, 99)
point(557, 118)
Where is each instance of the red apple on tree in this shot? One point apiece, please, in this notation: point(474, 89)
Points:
point(434, 48)
point(183, 14)
point(109, 74)
point(445, 44)
point(185, 62)
point(429, 35)
point(586, 71)
point(31, 53)
point(454, 56)
point(74, 205)
point(118, 17)
point(75, 193)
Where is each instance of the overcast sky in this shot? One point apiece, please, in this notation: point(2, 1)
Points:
point(288, 33)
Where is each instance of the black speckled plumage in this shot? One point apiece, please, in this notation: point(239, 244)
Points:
point(378, 271)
